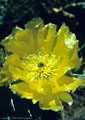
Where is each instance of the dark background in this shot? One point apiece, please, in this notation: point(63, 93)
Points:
point(18, 12)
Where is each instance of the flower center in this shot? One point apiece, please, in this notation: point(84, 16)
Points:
point(41, 66)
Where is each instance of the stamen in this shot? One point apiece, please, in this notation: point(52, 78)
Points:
point(41, 66)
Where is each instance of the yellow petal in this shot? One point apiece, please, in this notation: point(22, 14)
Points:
point(67, 46)
point(35, 25)
point(16, 30)
point(22, 89)
point(22, 43)
point(54, 105)
point(5, 75)
point(4, 81)
point(65, 80)
point(73, 56)
point(54, 87)
point(17, 73)
point(70, 83)
point(73, 86)
point(62, 67)
point(36, 85)
point(13, 60)
point(47, 37)
point(64, 96)
point(44, 36)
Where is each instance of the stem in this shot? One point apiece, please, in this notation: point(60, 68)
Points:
point(74, 4)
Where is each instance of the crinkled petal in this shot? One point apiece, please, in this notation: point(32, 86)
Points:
point(70, 83)
point(13, 60)
point(65, 97)
point(6, 76)
point(22, 89)
point(22, 43)
point(55, 86)
point(4, 81)
point(62, 67)
point(54, 105)
point(67, 46)
point(35, 25)
point(73, 86)
point(44, 36)
point(16, 30)
point(47, 37)
point(17, 73)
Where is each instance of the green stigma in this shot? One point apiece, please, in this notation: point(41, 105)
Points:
point(40, 64)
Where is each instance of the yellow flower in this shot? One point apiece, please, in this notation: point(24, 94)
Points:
point(37, 61)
